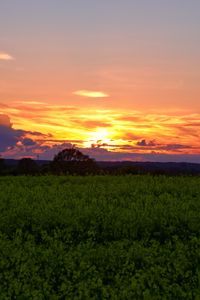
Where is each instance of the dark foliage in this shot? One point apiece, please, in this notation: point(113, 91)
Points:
point(100, 237)
point(27, 166)
point(2, 166)
point(73, 161)
point(71, 154)
point(76, 163)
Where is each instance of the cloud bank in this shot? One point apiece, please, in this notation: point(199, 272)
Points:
point(12, 139)
point(102, 134)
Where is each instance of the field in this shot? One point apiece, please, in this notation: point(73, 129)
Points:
point(100, 237)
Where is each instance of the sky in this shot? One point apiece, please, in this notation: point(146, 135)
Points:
point(118, 79)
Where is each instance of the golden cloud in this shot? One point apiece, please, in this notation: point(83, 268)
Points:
point(91, 94)
point(5, 56)
point(137, 129)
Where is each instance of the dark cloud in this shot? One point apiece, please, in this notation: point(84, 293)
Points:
point(101, 154)
point(64, 141)
point(39, 134)
point(99, 145)
point(166, 147)
point(9, 137)
point(28, 142)
point(174, 147)
point(144, 143)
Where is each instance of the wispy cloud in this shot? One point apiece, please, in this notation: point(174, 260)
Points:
point(91, 94)
point(31, 102)
point(5, 56)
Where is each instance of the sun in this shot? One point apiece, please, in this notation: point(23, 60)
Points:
point(101, 136)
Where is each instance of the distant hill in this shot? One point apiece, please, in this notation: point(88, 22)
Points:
point(144, 167)
point(14, 162)
point(154, 167)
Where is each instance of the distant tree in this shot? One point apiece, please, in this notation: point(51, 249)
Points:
point(71, 154)
point(73, 161)
point(27, 166)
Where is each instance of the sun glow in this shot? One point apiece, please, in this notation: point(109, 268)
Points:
point(99, 136)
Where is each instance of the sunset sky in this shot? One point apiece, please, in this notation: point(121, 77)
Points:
point(118, 79)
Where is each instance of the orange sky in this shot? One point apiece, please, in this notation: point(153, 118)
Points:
point(120, 79)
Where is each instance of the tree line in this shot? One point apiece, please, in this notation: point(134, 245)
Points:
point(68, 161)
point(71, 161)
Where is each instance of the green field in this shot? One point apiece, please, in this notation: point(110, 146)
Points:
point(101, 237)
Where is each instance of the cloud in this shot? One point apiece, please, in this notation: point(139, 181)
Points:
point(101, 154)
point(11, 138)
point(91, 94)
point(44, 152)
point(160, 147)
point(5, 56)
point(144, 143)
point(127, 132)
point(28, 142)
point(8, 136)
point(174, 147)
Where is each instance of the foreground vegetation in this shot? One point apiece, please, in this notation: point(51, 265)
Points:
point(100, 237)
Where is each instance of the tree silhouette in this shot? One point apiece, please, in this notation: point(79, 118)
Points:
point(71, 154)
point(73, 161)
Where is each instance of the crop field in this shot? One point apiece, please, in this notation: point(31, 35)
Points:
point(100, 237)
